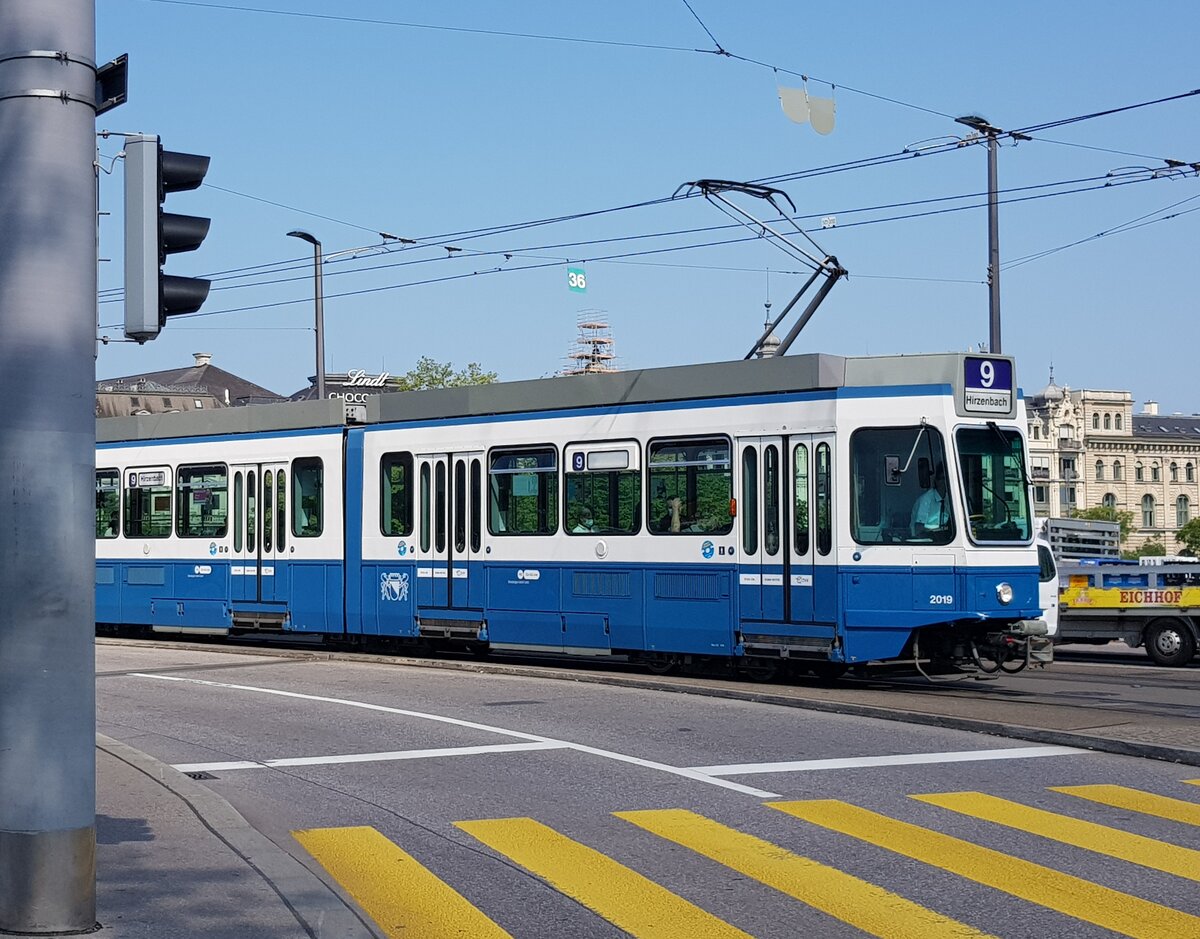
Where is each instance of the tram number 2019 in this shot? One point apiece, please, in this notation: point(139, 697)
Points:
point(941, 599)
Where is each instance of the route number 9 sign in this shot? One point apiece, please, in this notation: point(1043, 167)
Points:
point(988, 385)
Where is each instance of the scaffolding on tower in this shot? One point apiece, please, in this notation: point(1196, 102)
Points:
point(593, 350)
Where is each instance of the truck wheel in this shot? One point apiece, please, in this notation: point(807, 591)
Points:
point(1170, 642)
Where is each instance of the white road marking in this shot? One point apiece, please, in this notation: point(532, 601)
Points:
point(902, 759)
point(688, 773)
point(368, 757)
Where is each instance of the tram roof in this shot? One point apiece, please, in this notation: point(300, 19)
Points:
point(811, 372)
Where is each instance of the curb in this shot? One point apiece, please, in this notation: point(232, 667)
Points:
point(698, 686)
point(305, 895)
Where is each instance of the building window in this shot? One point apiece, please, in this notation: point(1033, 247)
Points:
point(1066, 432)
point(1066, 496)
point(1041, 494)
point(1116, 469)
point(1099, 469)
point(1109, 501)
point(1139, 473)
point(1155, 472)
point(1174, 472)
point(1095, 422)
point(1181, 511)
point(1189, 473)
point(1147, 511)
point(1037, 435)
point(1117, 421)
point(1108, 422)
point(1066, 468)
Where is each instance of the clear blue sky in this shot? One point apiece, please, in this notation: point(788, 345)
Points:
point(351, 128)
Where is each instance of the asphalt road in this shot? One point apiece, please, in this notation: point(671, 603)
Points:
point(733, 817)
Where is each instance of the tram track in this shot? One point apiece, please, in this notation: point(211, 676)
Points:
point(1125, 714)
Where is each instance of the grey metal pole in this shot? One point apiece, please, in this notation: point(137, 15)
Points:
point(47, 459)
point(319, 293)
point(993, 247)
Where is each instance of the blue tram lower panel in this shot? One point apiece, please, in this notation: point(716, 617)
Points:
point(314, 595)
point(883, 605)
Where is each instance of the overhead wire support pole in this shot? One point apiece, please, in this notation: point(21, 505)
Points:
point(827, 267)
point(48, 103)
point(992, 134)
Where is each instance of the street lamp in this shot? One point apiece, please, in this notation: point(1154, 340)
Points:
point(983, 127)
point(320, 296)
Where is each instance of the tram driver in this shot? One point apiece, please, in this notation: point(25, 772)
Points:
point(931, 511)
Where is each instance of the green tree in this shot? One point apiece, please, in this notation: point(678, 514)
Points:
point(1102, 513)
point(1152, 548)
point(1189, 537)
point(429, 373)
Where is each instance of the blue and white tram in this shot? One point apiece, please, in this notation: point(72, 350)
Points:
point(822, 511)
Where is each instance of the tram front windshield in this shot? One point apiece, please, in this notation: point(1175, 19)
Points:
point(992, 462)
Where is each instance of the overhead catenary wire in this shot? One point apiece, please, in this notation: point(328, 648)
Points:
point(1106, 181)
point(528, 267)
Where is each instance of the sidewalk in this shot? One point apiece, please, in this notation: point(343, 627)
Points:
point(175, 861)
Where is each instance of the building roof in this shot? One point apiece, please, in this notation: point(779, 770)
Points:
point(1161, 425)
point(202, 377)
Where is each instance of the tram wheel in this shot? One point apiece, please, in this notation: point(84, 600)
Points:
point(829, 671)
point(660, 664)
point(758, 669)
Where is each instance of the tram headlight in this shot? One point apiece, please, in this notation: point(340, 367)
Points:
point(1004, 593)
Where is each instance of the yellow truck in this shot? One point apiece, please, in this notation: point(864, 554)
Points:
point(1151, 602)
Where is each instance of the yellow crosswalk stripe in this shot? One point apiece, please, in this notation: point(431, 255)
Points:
point(870, 908)
point(1137, 849)
point(622, 896)
point(1121, 797)
point(1044, 886)
point(394, 889)
point(1192, 782)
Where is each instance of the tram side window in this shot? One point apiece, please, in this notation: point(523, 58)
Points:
point(147, 504)
point(108, 503)
point(602, 498)
point(690, 487)
point(899, 491)
point(308, 497)
point(523, 492)
point(202, 501)
point(396, 472)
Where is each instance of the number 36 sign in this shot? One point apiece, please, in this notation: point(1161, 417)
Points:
point(576, 279)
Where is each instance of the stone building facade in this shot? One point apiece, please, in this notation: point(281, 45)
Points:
point(1090, 448)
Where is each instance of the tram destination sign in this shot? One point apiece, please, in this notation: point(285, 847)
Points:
point(987, 385)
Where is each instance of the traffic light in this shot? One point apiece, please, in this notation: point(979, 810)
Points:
point(151, 234)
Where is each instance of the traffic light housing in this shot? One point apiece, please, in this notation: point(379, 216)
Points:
point(151, 234)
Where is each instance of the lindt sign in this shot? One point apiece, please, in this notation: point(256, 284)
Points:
point(358, 378)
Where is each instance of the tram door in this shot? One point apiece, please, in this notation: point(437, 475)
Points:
point(260, 532)
point(449, 513)
point(763, 557)
point(778, 509)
